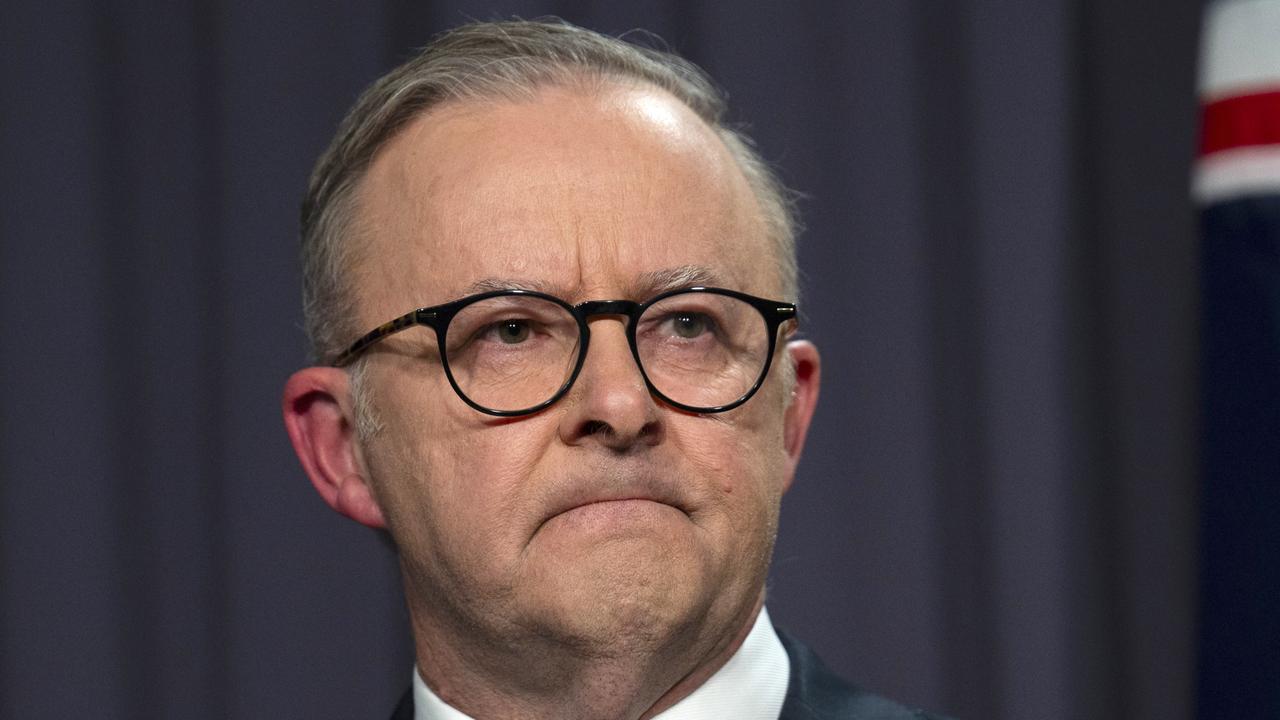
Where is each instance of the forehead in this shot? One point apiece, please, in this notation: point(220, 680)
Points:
point(584, 194)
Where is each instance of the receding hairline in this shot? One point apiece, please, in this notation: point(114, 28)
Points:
point(493, 61)
point(589, 85)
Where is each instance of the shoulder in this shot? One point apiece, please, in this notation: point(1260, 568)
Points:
point(816, 693)
point(404, 709)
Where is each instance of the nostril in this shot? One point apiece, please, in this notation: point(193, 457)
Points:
point(595, 427)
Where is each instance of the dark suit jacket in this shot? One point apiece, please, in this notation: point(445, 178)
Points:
point(814, 693)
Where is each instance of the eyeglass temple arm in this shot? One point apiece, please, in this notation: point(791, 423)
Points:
point(391, 327)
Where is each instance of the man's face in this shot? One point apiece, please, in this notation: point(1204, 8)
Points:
point(609, 518)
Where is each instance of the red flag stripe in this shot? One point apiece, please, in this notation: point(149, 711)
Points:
point(1241, 121)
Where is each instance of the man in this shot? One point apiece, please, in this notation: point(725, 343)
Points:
point(579, 403)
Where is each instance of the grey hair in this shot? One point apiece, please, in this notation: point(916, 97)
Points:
point(496, 60)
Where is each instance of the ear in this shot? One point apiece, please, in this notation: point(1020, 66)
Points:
point(803, 356)
point(319, 416)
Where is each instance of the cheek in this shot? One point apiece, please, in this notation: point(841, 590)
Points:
point(741, 457)
point(463, 480)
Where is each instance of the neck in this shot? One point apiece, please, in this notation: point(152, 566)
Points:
point(539, 677)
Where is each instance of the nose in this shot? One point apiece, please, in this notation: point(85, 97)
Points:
point(609, 403)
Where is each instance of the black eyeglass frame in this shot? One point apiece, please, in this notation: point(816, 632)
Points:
point(438, 317)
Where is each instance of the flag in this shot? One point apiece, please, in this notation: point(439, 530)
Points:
point(1237, 187)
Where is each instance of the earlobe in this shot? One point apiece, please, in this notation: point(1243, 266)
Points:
point(804, 398)
point(317, 415)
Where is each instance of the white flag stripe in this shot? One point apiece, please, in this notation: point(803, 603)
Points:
point(1237, 173)
point(1241, 49)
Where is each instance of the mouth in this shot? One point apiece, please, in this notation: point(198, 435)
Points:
point(601, 520)
point(610, 504)
point(614, 500)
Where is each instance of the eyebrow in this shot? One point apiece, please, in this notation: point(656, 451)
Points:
point(495, 283)
point(646, 284)
point(677, 278)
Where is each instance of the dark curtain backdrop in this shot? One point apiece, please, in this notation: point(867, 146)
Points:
point(996, 514)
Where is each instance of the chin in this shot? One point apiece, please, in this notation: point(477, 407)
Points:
point(629, 604)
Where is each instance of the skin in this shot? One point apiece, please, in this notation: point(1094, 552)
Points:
point(603, 557)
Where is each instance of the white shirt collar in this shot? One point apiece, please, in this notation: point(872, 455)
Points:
point(750, 686)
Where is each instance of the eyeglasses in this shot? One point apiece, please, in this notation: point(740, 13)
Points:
point(515, 352)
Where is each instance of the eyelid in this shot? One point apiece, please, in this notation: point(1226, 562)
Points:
point(667, 317)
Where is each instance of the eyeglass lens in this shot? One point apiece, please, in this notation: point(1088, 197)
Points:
point(512, 352)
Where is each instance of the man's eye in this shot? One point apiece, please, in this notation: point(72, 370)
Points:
point(689, 325)
point(512, 332)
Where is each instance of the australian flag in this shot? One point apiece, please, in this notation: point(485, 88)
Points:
point(1237, 184)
